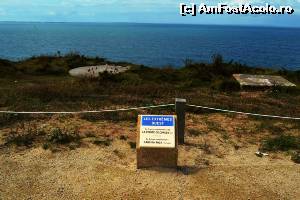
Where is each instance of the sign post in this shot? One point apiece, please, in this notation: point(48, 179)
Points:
point(157, 141)
point(180, 112)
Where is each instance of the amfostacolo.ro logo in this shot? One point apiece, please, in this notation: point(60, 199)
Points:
point(223, 8)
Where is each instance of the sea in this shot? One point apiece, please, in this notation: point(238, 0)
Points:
point(154, 45)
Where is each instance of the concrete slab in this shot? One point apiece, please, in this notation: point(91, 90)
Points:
point(262, 80)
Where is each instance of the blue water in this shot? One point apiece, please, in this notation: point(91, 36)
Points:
point(154, 44)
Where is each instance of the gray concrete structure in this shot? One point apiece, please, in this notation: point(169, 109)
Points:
point(262, 80)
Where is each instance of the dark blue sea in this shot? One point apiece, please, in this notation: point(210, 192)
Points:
point(154, 45)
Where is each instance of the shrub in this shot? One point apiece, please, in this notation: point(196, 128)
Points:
point(123, 137)
point(296, 157)
point(281, 143)
point(46, 146)
point(126, 78)
point(58, 136)
point(194, 132)
point(20, 139)
point(102, 141)
point(132, 144)
point(23, 136)
point(229, 85)
point(269, 126)
point(217, 59)
point(113, 116)
point(285, 90)
point(105, 77)
point(7, 119)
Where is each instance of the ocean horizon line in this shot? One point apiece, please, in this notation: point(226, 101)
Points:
point(153, 23)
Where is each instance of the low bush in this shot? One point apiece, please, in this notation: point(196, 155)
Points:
point(268, 125)
point(132, 144)
point(281, 143)
point(123, 137)
point(113, 116)
point(228, 85)
point(7, 119)
point(279, 90)
point(194, 132)
point(58, 136)
point(296, 157)
point(46, 146)
point(20, 139)
point(24, 136)
point(102, 141)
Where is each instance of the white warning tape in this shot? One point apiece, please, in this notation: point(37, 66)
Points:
point(91, 111)
point(244, 113)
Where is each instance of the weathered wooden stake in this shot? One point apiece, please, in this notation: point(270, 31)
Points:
point(180, 112)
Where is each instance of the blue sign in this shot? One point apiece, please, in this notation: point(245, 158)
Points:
point(157, 120)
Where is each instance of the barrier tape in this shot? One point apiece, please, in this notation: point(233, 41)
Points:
point(244, 113)
point(92, 111)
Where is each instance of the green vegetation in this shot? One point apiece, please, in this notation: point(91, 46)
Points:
point(51, 64)
point(113, 116)
point(123, 137)
point(29, 135)
point(24, 136)
point(132, 144)
point(42, 83)
point(194, 132)
point(281, 143)
point(192, 73)
point(268, 125)
point(287, 143)
point(103, 141)
point(296, 157)
point(58, 136)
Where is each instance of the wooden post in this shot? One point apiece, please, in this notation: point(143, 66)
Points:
point(180, 112)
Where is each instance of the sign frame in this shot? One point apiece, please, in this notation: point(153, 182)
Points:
point(156, 156)
point(162, 124)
